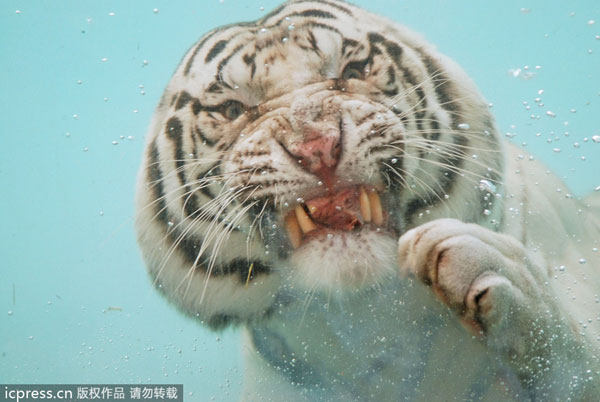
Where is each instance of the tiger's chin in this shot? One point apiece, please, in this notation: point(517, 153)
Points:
point(340, 241)
point(344, 262)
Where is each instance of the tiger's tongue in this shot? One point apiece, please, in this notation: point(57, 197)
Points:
point(339, 211)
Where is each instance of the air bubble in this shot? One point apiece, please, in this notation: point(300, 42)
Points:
point(582, 261)
point(550, 113)
point(394, 160)
point(115, 142)
point(487, 185)
point(556, 150)
point(464, 126)
point(596, 138)
point(487, 212)
point(155, 11)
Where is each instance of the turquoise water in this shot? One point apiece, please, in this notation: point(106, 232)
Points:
point(78, 84)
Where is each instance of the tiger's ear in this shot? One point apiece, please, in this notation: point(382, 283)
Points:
point(220, 279)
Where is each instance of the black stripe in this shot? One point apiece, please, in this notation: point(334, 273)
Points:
point(306, 13)
point(218, 322)
point(334, 5)
point(197, 49)
point(249, 60)
point(443, 87)
point(314, 13)
point(224, 62)
point(183, 99)
point(215, 50)
point(348, 43)
point(313, 42)
point(155, 178)
point(242, 267)
point(313, 24)
point(203, 139)
point(174, 131)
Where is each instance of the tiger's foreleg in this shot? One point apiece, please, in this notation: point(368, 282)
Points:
point(501, 293)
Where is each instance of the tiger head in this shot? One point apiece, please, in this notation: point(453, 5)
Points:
point(290, 153)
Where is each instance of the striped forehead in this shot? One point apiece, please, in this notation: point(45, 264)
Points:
point(324, 25)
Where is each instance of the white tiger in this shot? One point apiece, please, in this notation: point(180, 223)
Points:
point(287, 157)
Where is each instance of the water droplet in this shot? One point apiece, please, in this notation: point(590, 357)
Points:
point(115, 142)
point(17, 11)
point(291, 27)
point(263, 30)
point(591, 22)
point(155, 11)
point(582, 261)
point(319, 183)
point(30, 337)
point(329, 236)
point(85, 149)
point(487, 212)
point(9, 312)
point(562, 268)
point(596, 138)
point(550, 113)
point(111, 14)
point(300, 200)
point(169, 223)
point(464, 126)
point(556, 150)
point(101, 213)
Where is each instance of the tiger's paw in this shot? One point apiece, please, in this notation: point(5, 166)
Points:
point(489, 279)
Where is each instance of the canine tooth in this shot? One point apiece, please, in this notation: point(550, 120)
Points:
point(293, 229)
point(376, 211)
point(365, 205)
point(306, 224)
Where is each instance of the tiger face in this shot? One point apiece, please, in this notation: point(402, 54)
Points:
point(290, 153)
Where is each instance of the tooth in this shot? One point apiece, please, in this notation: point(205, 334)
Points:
point(293, 229)
point(306, 224)
point(365, 205)
point(376, 211)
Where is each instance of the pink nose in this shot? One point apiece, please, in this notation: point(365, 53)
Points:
point(318, 153)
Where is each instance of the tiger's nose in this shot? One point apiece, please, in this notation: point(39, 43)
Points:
point(320, 151)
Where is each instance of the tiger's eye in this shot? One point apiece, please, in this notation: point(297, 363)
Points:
point(352, 73)
point(233, 109)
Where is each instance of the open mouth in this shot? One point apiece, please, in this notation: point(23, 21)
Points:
point(348, 209)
